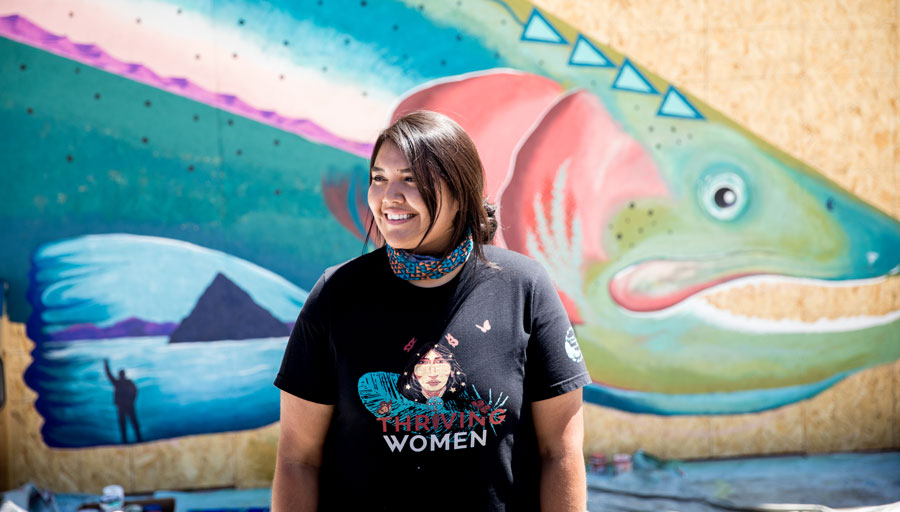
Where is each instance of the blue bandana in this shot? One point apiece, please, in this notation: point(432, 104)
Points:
point(415, 267)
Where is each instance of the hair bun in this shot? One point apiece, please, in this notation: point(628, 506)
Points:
point(491, 228)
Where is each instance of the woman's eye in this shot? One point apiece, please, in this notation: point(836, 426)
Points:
point(409, 179)
point(378, 177)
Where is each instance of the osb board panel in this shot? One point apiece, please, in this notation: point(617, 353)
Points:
point(896, 421)
point(755, 53)
point(690, 45)
point(14, 339)
point(631, 15)
point(255, 453)
point(687, 437)
point(756, 14)
point(15, 364)
point(848, 13)
point(780, 123)
point(814, 14)
point(611, 431)
point(850, 120)
point(868, 50)
point(795, 301)
point(99, 467)
point(5, 462)
point(186, 462)
point(769, 432)
point(858, 413)
point(31, 459)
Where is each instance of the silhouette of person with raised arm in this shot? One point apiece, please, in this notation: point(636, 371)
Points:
point(126, 394)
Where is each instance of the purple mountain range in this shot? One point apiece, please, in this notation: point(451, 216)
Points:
point(223, 311)
point(128, 328)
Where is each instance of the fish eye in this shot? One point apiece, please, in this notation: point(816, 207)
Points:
point(723, 195)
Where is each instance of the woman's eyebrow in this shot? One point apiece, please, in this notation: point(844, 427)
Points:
point(407, 170)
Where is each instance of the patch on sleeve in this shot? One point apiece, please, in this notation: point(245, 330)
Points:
point(572, 348)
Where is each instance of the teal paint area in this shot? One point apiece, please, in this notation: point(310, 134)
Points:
point(350, 32)
point(108, 155)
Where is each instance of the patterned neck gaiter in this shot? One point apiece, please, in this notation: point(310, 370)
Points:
point(415, 267)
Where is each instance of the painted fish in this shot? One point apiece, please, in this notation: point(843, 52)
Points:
point(245, 129)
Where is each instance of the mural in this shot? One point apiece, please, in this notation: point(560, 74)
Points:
point(181, 172)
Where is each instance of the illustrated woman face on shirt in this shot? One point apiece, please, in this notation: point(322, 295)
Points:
point(432, 371)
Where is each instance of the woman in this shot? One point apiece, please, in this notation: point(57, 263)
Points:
point(434, 374)
point(511, 437)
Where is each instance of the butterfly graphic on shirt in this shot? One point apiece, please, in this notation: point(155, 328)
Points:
point(484, 328)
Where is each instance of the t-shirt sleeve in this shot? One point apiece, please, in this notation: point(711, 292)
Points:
point(554, 364)
point(307, 369)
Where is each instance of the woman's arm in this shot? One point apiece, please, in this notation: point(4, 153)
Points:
point(303, 428)
point(559, 424)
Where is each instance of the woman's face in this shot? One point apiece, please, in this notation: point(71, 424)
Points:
point(399, 210)
point(432, 371)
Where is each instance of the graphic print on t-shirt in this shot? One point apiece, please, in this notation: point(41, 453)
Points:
point(431, 406)
point(572, 348)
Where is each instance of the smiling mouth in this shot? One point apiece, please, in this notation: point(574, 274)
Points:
point(401, 216)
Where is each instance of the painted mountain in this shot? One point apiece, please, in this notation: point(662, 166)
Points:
point(226, 312)
point(129, 328)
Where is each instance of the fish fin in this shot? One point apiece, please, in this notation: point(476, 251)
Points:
point(605, 169)
point(497, 108)
point(574, 170)
point(122, 285)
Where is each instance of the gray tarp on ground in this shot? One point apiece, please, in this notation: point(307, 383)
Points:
point(835, 481)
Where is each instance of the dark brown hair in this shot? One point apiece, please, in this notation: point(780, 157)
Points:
point(437, 148)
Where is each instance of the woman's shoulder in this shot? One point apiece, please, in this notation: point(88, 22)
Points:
point(511, 261)
point(353, 270)
point(353, 274)
point(513, 265)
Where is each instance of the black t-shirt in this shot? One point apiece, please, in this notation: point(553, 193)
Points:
point(432, 387)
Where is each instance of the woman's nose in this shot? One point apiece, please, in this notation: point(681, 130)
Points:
point(393, 192)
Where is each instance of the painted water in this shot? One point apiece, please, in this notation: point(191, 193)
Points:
point(183, 388)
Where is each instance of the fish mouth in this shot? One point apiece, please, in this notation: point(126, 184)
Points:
point(654, 285)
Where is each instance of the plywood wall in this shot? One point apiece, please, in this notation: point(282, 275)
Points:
point(818, 78)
